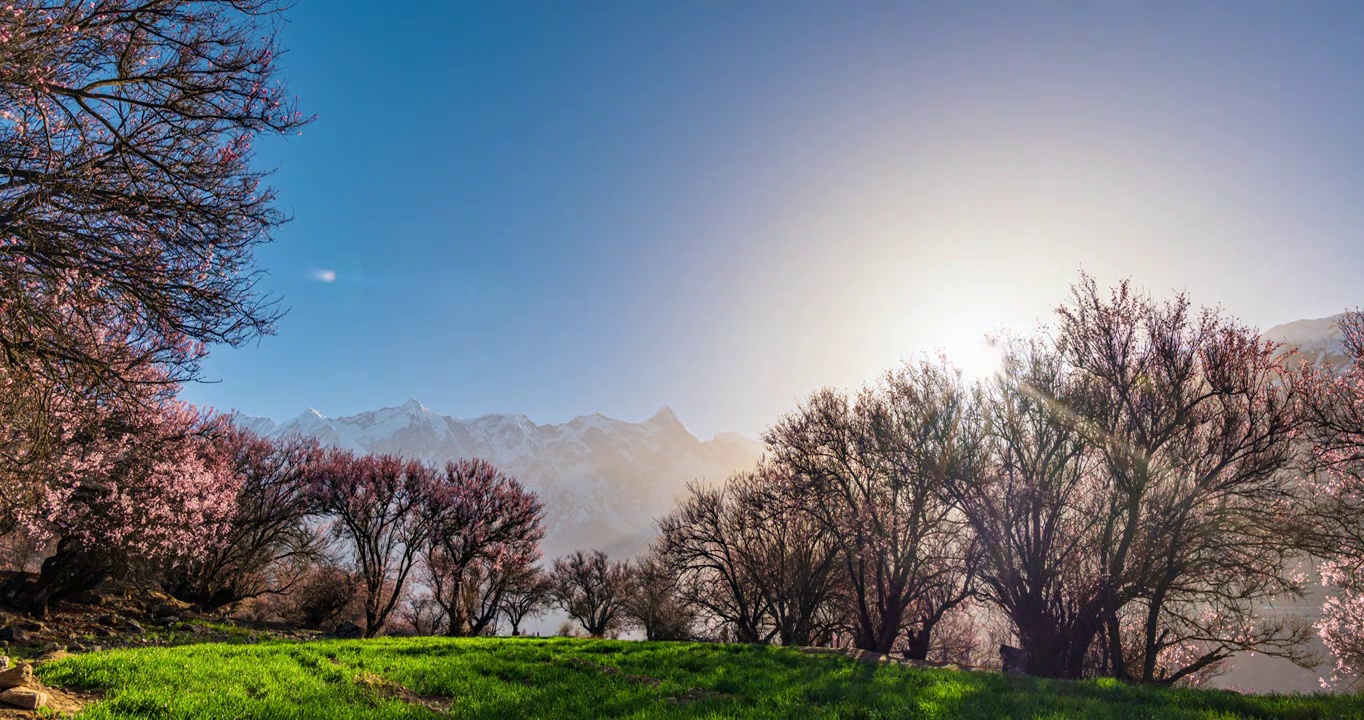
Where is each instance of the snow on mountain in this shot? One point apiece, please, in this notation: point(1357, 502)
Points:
point(603, 481)
point(1319, 341)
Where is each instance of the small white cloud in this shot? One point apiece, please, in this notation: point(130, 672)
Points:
point(325, 276)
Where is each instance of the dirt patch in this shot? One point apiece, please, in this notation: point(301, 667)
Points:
point(65, 703)
point(696, 695)
point(385, 688)
point(131, 619)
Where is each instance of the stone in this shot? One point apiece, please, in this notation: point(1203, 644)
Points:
point(51, 655)
point(14, 634)
point(349, 631)
point(24, 698)
point(4, 662)
point(134, 628)
point(32, 626)
point(110, 620)
point(16, 676)
point(51, 647)
point(88, 597)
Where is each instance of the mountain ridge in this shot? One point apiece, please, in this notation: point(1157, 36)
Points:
point(603, 481)
point(1318, 341)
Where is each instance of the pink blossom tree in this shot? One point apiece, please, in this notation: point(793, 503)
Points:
point(149, 487)
point(378, 505)
point(130, 212)
point(269, 537)
point(486, 530)
point(1335, 406)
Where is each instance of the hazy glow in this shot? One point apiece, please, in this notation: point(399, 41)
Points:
point(722, 207)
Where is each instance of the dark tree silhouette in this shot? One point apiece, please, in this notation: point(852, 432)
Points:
point(655, 602)
point(1025, 485)
point(529, 593)
point(706, 541)
point(592, 589)
point(874, 471)
point(1193, 425)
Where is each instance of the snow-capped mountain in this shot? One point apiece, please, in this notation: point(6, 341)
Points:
point(1318, 341)
point(603, 481)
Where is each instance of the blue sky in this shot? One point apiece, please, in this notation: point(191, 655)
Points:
point(565, 208)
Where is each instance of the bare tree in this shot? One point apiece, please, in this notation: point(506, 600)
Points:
point(919, 426)
point(705, 540)
point(529, 593)
point(422, 615)
point(1193, 422)
point(874, 471)
point(790, 558)
point(323, 595)
point(1025, 485)
point(592, 590)
point(655, 601)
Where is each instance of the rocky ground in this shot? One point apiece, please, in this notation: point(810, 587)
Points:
point(102, 621)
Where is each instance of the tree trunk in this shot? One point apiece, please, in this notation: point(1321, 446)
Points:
point(72, 569)
point(917, 643)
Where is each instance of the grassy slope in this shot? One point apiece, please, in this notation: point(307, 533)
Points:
point(557, 678)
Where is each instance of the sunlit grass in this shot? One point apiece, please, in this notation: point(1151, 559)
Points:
point(561, 678)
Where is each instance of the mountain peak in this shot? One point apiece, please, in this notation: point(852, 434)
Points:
point(665, 416)
point(311, 414)
point(413, 405)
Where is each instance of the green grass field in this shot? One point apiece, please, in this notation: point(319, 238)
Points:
point(561, 678)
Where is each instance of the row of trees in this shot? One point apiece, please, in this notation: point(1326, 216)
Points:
point(1130, 494)
point(472, 530)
